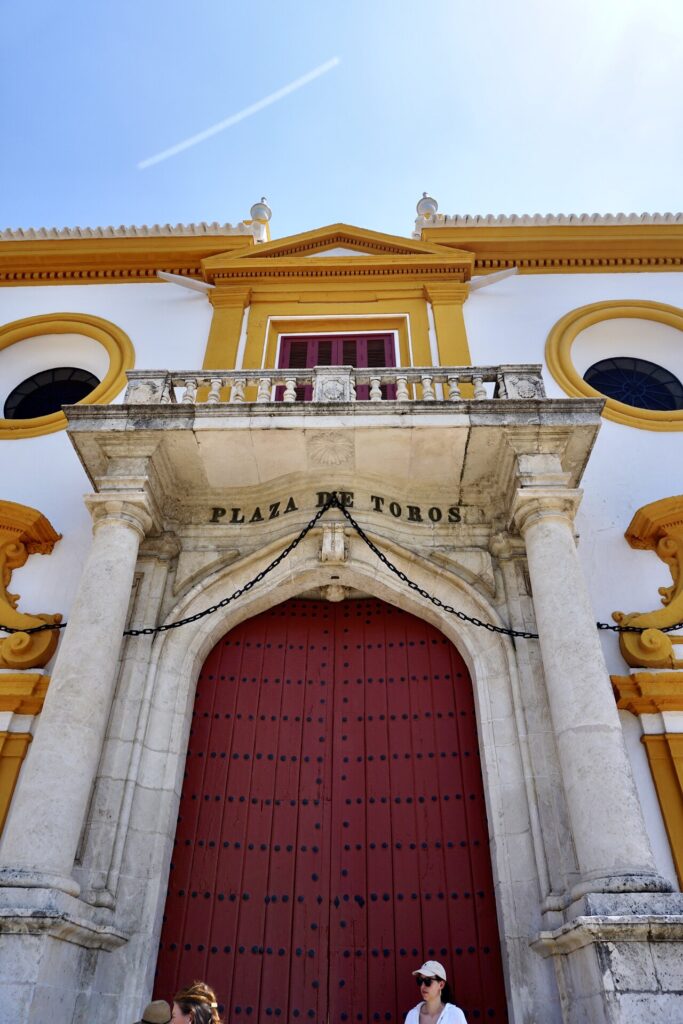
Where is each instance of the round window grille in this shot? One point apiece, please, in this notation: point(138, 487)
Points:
point(46, 392)
point(636, 382)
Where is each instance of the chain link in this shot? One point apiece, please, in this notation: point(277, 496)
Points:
point(151, 630)
point(436, 601)
point(334, 502)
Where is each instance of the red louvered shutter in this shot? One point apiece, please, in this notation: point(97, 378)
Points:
point(361, 350)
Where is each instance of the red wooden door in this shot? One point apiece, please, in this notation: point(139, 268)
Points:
point(332, 831)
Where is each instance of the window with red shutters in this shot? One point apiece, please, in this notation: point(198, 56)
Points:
point(362, 350)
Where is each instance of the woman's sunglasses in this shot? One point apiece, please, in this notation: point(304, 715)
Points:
point(423, 981)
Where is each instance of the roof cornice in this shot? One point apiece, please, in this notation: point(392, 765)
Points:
point(547, 245)
point(528, 220)
point(143, 231)
point(100, 259)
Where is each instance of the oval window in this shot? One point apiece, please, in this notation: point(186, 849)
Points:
point(46, 392)
point(57, 359)
point(636, 382)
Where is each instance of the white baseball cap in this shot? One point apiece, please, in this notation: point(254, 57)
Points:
point(432, 969)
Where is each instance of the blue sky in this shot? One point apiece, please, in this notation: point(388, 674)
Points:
point(492, 107)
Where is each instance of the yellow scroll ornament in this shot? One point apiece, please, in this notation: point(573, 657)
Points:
point(657, 527)
point(23, 531)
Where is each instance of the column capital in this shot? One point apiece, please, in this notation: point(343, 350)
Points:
point(531, 504)
point(228, 296)
point(450, 293)
point(133, 510)
point(504, 546)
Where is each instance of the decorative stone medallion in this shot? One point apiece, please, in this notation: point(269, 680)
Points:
point(325, 448)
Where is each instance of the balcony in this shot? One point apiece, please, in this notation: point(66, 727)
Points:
point(335, 384)
point(447, 434)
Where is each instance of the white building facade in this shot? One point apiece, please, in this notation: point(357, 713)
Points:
point(497, 405)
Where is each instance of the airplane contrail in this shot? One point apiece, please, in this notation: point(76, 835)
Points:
point(298, 83)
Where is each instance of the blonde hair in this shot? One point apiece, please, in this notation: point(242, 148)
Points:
point(200, 1000)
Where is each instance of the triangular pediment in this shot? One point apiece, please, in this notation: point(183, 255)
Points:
point(344, 240)
point(341, 252)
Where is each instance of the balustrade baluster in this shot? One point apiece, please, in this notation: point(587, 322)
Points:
point(263, 393)
point(214, 396)
point(453, 388)
point(427, 389)
point(479, 389)
point(290, 389)
point(375, 389)
point(402, 389)
point(237, 392)
point(190, 393)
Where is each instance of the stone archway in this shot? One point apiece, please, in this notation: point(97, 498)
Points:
point(173, 667)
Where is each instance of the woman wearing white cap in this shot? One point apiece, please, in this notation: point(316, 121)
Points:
point(436, 1006)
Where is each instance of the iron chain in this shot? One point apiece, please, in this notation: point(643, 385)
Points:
point(334, 502)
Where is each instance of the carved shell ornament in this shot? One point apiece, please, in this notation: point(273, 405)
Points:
point(329, 449)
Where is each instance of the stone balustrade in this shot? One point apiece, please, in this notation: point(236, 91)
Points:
point(327, 384)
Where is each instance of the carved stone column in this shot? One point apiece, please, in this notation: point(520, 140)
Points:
point(43, 830)
point(612, 847)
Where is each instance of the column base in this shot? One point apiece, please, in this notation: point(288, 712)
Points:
point(617, 959)
point(631, 882)
point(24, 878)
point(52, 912)
point(48, 939)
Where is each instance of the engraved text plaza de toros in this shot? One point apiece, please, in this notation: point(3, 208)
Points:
point(273, 510)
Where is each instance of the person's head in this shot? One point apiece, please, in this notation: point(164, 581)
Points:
point(196, 1004)
point(432, 982)
point(157, 1012)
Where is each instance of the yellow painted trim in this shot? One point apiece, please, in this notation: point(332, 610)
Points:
point(377, 268)
point(48, 261)
point(13, 747)
point(330, 317)
point(24, 531)
point(226, 327)
point(27, 526)
point(567, 248)
point(116, 342)
point(23, 693)
point(449, 321)
point(654, 521)
point(558, 357)
point(386, 260)
point(665, 755)
point(290, 279)
point(657, 526)
point(649, 693)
